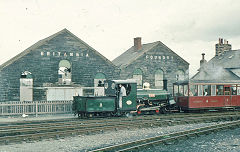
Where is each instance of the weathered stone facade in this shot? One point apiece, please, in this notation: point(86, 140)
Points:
point(149, 59)
point(42, 60)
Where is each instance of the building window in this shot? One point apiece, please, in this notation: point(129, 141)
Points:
point(159, 79)
point(26, 86)
point(180, 76)
point(137, 75)
point(42, 53)
point(99, 80)
point(64, 72)
point(48, 53)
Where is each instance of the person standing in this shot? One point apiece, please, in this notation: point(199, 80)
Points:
point(121, 94)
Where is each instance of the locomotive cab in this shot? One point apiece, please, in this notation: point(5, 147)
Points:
point(125, 92)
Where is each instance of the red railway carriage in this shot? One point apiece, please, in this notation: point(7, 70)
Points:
point(201, 96)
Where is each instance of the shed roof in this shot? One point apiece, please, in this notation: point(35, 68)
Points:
point(229, 59)
point(132, 54)
point(44, 41)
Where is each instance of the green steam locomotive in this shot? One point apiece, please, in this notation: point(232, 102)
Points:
point(122, 97)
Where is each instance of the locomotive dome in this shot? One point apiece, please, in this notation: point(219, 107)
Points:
point(146, 86)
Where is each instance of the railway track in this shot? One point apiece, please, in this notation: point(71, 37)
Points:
point(37, 130)
point(165, 139)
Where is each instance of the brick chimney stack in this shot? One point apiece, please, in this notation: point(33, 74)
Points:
point(137, 43)
point(222, 47)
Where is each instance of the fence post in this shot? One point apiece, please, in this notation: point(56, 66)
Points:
point(36, 109)
point(23, 107)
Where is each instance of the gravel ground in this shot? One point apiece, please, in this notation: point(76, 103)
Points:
point(87, 142)
point(227, 141)
point(7, 119)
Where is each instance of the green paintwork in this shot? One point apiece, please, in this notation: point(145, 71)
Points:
point(152, 94)
point(110, 102)
point(131, 98)
point(94, 104)
point(100, 104)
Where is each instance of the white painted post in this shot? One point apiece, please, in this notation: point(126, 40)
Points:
point(36, 108)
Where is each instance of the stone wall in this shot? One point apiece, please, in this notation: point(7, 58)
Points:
point(157, 58)
point(43, 62)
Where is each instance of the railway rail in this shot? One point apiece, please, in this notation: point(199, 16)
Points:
point(165, 139)
point(37, 130)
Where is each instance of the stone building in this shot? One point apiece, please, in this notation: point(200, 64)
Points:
point(59, 60)
point(152, 63)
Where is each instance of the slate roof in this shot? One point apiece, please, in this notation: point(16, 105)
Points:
point(230, 59)
point(132, 54)
point(223, 68)
point(44, 41)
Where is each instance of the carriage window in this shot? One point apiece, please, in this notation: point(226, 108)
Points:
point(206, 90)
point(213, 90)
point(234, 90)
point(175, 90)
point(185, 90)
point(219, 89)
point(180, 93)
point(200, 90)
point(226, 90)
point(193, 90)
point(238, 90)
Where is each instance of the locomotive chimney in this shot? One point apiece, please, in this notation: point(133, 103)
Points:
point(137, 43)
point(165, 84)
point(203, 61)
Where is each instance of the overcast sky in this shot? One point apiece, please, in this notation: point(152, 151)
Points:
point(187, 27)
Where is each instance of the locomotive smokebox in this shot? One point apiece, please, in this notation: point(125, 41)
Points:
point(165, 84)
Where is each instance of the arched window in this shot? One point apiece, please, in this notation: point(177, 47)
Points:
point(99, 80)
point(64, 72)
point(159, 79)
point(26, 86)
point(137, 75)
point(180, 76)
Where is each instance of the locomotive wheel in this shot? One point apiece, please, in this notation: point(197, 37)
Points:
point(113, 114)
point(128, 114)
point(89, 115)
point(107, 114)
point(163, 110)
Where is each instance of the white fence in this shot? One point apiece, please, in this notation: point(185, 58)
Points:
point(35, 107)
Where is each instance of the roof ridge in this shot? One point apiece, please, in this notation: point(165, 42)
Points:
point(103, 57)
point(45, 40)
point(140, 54)
point(29, 49)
